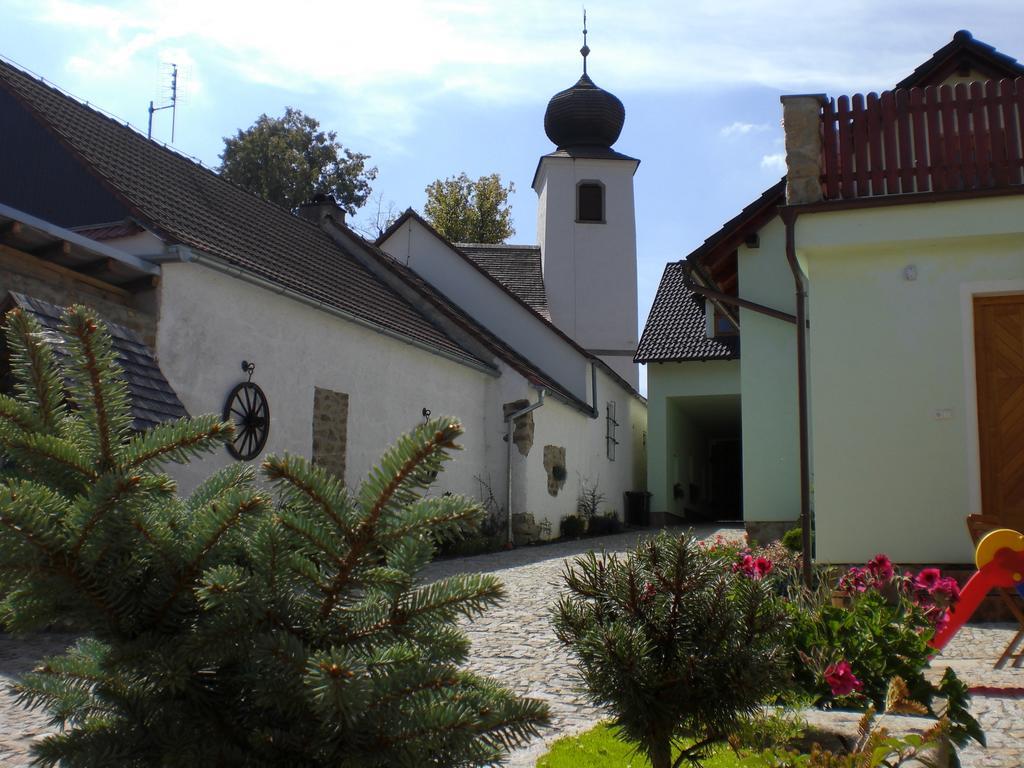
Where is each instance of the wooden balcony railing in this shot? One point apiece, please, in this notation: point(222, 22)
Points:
point(945, 139)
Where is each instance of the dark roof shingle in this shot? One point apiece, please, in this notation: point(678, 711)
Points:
point(189, 204)
point(676, 328)
point(153, 399)
point(517, 267)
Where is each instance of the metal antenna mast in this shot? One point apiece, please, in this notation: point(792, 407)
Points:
point(173, 106)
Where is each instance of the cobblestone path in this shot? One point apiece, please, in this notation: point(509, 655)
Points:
point(516, 644)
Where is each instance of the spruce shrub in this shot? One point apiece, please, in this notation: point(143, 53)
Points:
point(257, 625)
point(673, 641)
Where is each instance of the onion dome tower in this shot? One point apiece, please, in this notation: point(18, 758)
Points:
point(586, 222)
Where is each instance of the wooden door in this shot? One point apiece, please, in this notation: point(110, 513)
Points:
point(999, 358)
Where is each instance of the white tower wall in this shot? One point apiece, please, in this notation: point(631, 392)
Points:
point(590, 267)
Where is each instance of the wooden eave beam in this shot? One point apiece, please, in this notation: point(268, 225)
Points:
point(145, 283)
point(54, 251)
point(96, 268)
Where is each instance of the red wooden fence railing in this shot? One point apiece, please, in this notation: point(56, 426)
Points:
point(924, 140)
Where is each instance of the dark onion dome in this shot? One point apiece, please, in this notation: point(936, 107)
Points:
point(584, 116)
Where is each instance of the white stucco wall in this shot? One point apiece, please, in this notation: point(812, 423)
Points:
point(590, 267)
point(586, 456)
point(210, 322)
point(490, 305)
point(768, 381)
point(891, 370)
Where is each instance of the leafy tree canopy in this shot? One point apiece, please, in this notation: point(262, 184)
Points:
point(467, 211)
point(287, 160)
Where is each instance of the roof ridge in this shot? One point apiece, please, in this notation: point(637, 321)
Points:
point(495, 245)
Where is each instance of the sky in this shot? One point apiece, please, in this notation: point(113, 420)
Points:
point(431, 89)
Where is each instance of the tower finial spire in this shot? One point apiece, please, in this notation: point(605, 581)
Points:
point(585, 50)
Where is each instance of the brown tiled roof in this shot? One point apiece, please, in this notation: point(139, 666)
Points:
point(517, 267)
point(676, 328)
point(189, 204)
point(111, 231)
point(153, 400)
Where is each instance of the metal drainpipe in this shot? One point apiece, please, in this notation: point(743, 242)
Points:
point(508, 455)
point(789, 219)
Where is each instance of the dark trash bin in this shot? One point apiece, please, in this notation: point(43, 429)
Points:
point(638, 508)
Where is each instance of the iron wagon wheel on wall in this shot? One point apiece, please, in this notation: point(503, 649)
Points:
point(247, 408)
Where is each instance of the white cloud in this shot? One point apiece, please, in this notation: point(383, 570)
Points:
point(399, 55)
point(742, 129)
point(774, 162)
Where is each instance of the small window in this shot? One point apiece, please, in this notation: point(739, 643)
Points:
point(723, 325)
point(610, 425)
point(590, 202)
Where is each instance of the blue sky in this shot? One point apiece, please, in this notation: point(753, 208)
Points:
point(429, 89)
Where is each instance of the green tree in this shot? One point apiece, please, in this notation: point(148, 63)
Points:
point(672, 642)
point(467, 211)
point(287, 160)
point(244, 625)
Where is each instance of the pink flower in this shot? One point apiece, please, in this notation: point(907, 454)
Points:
point(927, 579)
point(947, 588)
point(854, 580)
point(841, 679)
point(881, 568)
point(762, 567)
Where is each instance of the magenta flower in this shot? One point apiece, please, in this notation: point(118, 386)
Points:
point(841, 679)
point(762, 567)
point(927, 579)
point(881, 568)
point(947, 588)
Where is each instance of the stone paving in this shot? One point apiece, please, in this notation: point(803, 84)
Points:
point(515, 643)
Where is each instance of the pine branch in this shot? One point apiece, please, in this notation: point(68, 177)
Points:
point(444, 435)
point(176, 441)
point(34, 366)
point(97, 381)
point(229, 517)
point(320, 488)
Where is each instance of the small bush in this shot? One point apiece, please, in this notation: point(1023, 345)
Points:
point(589, 500)
point(793, 540)
point(673, 642)
point(572, 527)
point(604, 525)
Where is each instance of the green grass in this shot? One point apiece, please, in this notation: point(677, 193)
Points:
point(598, 748)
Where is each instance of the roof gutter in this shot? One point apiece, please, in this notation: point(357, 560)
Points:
point(789, 217)
point(184, 254)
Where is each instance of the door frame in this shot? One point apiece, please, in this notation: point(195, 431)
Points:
point(968, 292)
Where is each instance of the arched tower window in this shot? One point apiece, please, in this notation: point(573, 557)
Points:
point(590, 201)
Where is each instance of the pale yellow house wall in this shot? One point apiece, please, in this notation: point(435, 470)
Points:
point(891, 368)
point(771, 467)
point(666, 433)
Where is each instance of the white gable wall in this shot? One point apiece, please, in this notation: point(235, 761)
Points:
point(490, 305)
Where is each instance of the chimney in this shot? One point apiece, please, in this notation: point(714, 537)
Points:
point(801, 121)
point(322, 207)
